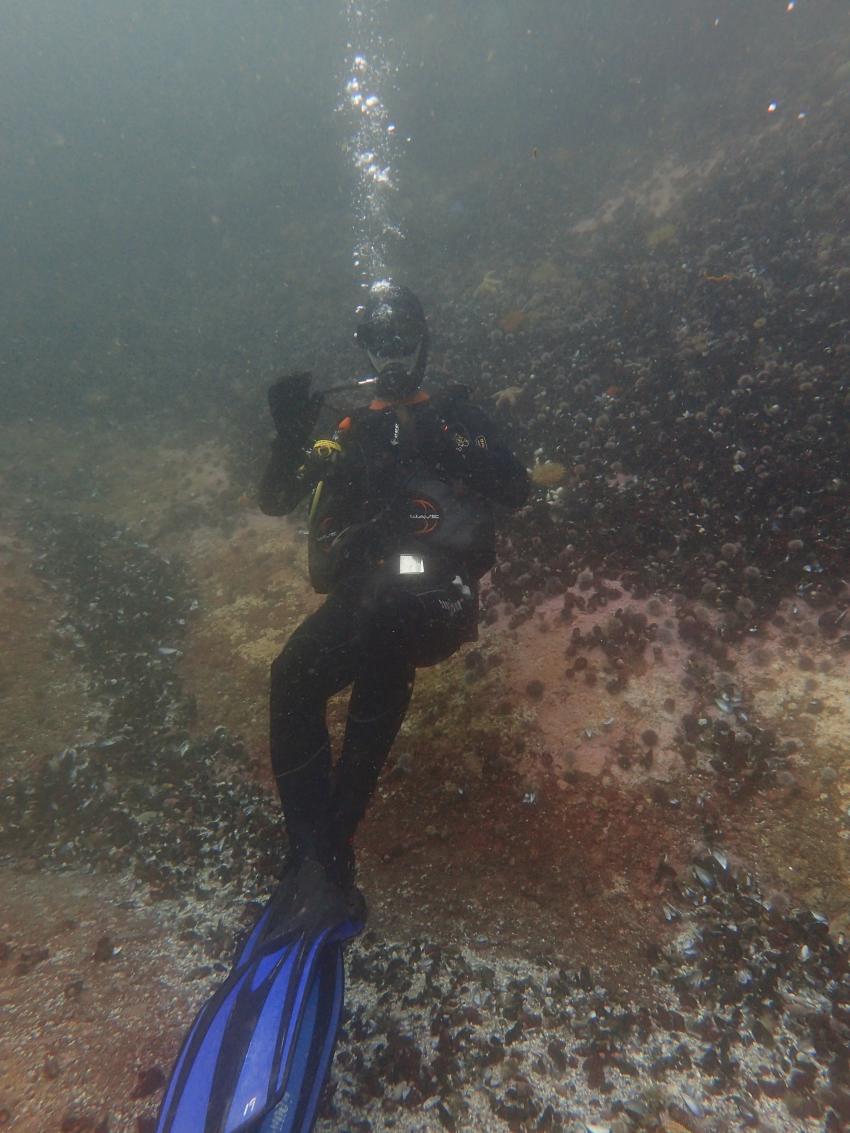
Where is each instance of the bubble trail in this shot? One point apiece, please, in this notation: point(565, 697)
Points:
point(373, 143)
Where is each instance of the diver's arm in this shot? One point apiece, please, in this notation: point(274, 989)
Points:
point(286, 481)
point(290, 474)
point(488, 465)
point(509, 482)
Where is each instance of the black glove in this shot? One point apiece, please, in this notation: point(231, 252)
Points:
point(294, 405)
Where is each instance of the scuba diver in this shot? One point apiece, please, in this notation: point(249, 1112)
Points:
point(401, 529)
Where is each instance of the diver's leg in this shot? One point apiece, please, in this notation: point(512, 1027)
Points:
point(317, 661)
point(376, 711)
point(396, 631)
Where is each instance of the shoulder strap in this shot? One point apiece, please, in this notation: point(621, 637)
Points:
point(407, 436)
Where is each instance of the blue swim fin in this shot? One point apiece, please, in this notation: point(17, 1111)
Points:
point(259, 1051)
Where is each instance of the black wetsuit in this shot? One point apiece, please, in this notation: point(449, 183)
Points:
point(401, 529)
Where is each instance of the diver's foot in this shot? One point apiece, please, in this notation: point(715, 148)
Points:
point(343, 873)
point(355, 902)
point(312, 897)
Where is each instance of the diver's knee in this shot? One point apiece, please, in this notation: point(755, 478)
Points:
point(295, 664)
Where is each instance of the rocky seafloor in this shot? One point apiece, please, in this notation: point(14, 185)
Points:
point(587, 925)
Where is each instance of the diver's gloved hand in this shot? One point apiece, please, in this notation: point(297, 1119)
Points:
point(294, 403)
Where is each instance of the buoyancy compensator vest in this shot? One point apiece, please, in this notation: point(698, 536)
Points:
point(395, 495)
